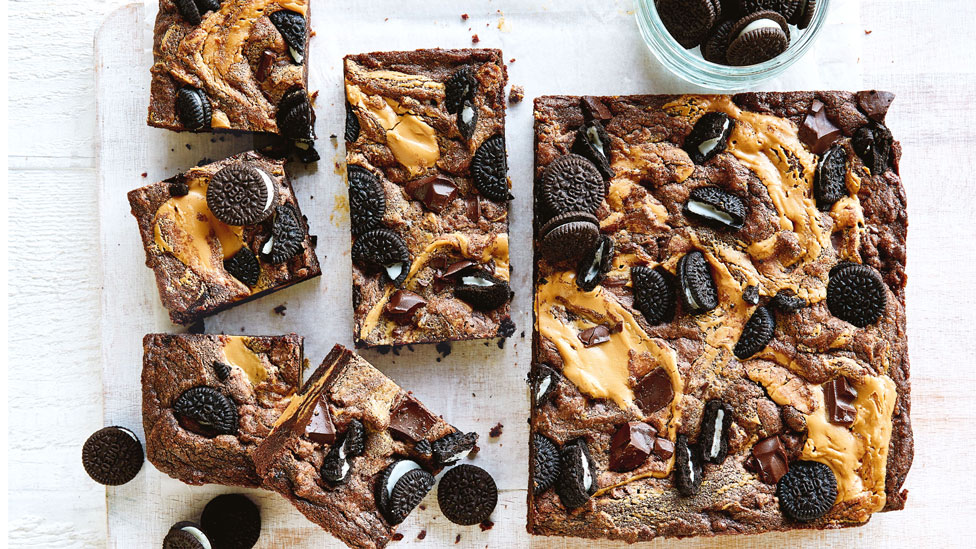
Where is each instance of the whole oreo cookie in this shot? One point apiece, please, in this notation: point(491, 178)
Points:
point(688, 21)
point(482, 291)
point(383, 249)
point(569, 240)
point(467, 495)
point(571, 183)
point(400, 488)
point(112, 456)
point(758, 37)
point(688, 468)
point(856, 294)
point(186, 535)
point(807, 491)
point(232, 521)
point(716, 46)
point(716, 208)
point(295, 117)
point(804, 13)
point(240, 194)
point(594, 264)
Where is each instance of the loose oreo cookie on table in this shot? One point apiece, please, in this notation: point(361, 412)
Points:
point(467, 495)
point(232, 521)
point(187, 535)
point(112, 456)
point(400, 489)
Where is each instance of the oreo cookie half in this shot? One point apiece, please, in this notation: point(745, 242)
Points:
point(577, 478)
point(709, 137)
point(698, 289)
point(400, 488)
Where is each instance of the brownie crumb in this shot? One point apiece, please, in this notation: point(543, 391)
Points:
point(444, 348)
point(423, 507)
point(464, 17)
point(145, 174)
point(506, 328)
point(496, 431)
point(512, 60)
point(474, 451)
point(422, 534)
point(397, 537)
point(196, 328)
point(475, 39)
point(383, 349)
point(867, 31)
point(501, 343)
point(188, 147)
point(457, 540)
point(280, 310)
point(516, 94)
point(486, 525)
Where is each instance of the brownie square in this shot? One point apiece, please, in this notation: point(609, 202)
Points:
point(240, 67)
point(727, 353)
point(204, 265)
point(428, 189)
point(256, 375)
point(349, 405)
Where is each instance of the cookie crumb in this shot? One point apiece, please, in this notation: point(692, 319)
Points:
point(444, 348)
point(280, 310)
point(486, 525)
point(475, 39)
point(516, 94)
point(496, 431)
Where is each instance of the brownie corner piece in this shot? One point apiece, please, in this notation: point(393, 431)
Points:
point(429, 191)
point(719, 317)
point(208, 400)
point(256, 243)
point(238, 67)
point(346, 441)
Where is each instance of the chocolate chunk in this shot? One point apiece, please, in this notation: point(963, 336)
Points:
point(653, 294)
point(807, 491)
point(875, 103)
point(244, 266)
point(232, 520)
point(698, 289)
point(383, 249)
point(758, 37)
point(756, 334)
point(594, 335)
point(206, 411)
point(830, 181)
point(112, 456)
point(546, 463)
point(435, 191)
point(596, 263)
point(714, 434)
point(193, 108)
point(663, 448)
point(572, 183)
point(839, 396)
point(709, 137)
point(320, 428)
point(688, 21)
point(287, 236)
point(577, 479)
point(716, 208)
point(240, 194)
point(630, 446)
point(593, 143)
point(817, 131)
point(873, 144)
point(367, 199)
point(489, 169)
point(594, 109)
point(411, 420)
point(769, 460)
point(786, 302)
point(856, 294)
point(654, 391)
point(467, 495)
point(688, 469)
point(400, 488)
point(450, 448)
point(404, 303)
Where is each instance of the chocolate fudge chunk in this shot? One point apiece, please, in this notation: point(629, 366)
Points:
point(223, 233)
point(428, 193)
point(728, 355)
point(354, 452)
point(232, 65)
point(209, 400)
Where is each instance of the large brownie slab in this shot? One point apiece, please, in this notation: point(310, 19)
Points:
point(196, 257)
point(748, 319)
point(426, 165)
point(257, 374)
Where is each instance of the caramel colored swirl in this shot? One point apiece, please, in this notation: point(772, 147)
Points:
point(239, 355)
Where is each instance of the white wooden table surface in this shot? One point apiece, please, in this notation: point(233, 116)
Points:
point(924, 50)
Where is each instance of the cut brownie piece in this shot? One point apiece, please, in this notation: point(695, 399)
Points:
point(725, 350)
point(428, 193)
point(214, 246)
point(355, 453)
point(241, 66)
point(209, 400)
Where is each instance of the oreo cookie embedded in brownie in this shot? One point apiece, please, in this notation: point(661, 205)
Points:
point(209, 400)
point(428, 193)
point(728, 355)
point(232, 65)
point(355, 453)
point(223, 233)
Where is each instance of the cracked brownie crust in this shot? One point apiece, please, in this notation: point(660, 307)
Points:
point(421, 125)
point(588, 382)
point(291, 459)
point(188, 253)
point(258, 374)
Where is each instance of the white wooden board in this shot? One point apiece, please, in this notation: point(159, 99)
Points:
point(574, 46)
